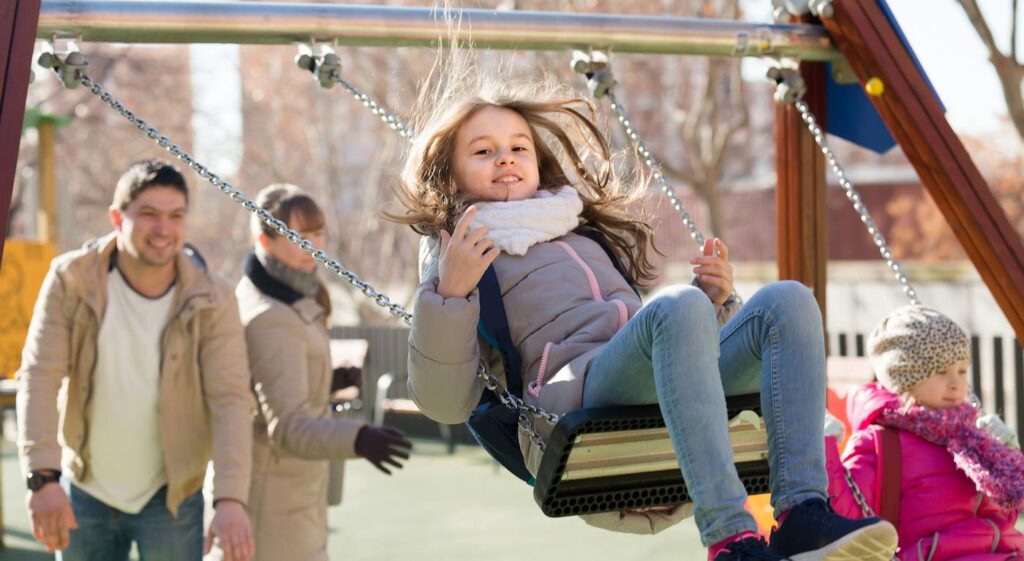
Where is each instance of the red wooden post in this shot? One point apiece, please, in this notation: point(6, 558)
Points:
point(865, 36)
point(802, 238)
point(18, 21)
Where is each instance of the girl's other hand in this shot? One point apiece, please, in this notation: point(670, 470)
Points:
point(714, 272)
point(465, 256)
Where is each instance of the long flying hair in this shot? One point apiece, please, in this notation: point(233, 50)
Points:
point(426, 189)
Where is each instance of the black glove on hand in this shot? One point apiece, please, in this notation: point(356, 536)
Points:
point(382, 445)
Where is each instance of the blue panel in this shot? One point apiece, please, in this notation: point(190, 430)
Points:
point(850, 113)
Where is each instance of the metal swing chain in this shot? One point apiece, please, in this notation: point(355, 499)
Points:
point(655, 167)
point(386, 116)
point(490, 382)
point(595, 66)
point(865, 508)
point(790, 88)
point(326, 69)
point(858, 204)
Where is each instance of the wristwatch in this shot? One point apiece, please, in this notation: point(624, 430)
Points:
point(37, 479)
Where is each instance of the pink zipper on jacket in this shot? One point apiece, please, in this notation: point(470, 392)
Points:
point(595, 291)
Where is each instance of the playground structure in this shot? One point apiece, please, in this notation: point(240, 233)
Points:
point(861, 31)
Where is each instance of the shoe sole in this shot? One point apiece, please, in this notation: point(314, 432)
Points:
point(877, 542)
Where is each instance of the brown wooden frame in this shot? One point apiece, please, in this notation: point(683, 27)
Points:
point(915, 118)
point(18, 21)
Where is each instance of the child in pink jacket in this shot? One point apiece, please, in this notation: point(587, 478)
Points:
point(960, 488)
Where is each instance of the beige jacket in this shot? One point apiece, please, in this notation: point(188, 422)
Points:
point(205, 403)
point(295, 434)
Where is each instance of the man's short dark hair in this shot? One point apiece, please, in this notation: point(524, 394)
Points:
point(143, 175)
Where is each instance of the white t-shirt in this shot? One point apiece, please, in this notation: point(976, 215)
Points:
point(126, 457)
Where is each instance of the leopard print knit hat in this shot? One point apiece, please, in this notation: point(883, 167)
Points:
point(912, 343)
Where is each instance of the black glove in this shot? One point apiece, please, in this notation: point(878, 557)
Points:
point(382, 445)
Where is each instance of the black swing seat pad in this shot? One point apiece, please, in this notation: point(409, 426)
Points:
point(561, 490)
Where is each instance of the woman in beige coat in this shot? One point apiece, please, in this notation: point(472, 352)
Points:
point(284, 309)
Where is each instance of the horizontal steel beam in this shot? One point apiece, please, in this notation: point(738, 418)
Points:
point(166, 21)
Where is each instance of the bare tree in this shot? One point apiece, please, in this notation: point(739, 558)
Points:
point(1008, 68)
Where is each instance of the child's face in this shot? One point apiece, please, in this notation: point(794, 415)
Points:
point(495, 158)
point(946, 388)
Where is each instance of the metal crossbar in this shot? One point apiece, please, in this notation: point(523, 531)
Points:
point(251, 22)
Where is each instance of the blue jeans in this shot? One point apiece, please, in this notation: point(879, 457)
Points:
point(674, 354)
point(106, 534)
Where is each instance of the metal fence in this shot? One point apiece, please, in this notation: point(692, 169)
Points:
point(997, 373)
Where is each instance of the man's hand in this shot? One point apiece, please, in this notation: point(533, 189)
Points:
point(230, 527)
point(49, 512)
point(382, 445)
point(465, 256)
point(714, 272)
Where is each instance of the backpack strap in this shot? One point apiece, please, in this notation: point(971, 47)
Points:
point(493, 327)
point(891, 474)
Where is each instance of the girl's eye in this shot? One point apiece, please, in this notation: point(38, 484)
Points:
point(482, 152)
point(520, 149)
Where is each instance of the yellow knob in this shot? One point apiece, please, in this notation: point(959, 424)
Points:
point(875, 87)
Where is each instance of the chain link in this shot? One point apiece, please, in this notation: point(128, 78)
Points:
point(493, 384)
point(865, 508)
point(389, 118)
point(856, 201)
point(648, 159)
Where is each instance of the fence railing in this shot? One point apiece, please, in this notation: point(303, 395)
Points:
point(997, 372)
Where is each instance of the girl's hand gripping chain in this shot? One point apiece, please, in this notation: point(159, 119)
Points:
point(465, 256)
point(714, 272)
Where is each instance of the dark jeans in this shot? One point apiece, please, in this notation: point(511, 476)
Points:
point(106, 534)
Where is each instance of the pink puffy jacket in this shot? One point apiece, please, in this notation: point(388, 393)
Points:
point(941, 515)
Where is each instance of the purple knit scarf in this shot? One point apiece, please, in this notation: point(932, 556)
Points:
point(996, 469)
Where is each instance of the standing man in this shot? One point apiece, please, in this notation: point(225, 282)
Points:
point(151, 348)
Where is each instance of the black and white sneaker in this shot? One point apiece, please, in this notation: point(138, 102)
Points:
point(812, 531)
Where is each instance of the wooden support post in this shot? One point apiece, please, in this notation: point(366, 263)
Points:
point(46, 218)
point(865, 36)
point(802, 238)
point(18, 20)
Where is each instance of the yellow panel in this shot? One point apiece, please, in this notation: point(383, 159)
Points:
point(21, 274)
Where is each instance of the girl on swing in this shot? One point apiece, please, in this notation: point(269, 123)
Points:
point(955, 482)
point(510, 179)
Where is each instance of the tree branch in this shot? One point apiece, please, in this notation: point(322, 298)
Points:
point(1014, 25)
point(981, 26)
point(1010, 72)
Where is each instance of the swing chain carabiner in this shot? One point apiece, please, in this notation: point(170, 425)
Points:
point(70, 66)
point(790, 86)
point(784, 9)
point(594, 65)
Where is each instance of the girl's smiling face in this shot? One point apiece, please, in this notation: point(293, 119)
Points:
point(944, 389)
point(495, 158)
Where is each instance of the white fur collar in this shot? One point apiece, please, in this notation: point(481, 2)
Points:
point(514, 226)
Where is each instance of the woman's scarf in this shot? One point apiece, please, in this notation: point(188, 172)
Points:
point(996, 469)
point(305, 283)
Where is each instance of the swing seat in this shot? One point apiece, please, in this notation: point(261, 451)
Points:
point(607, 459)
